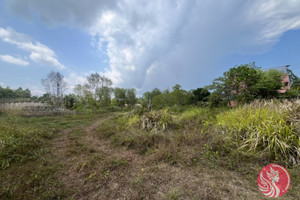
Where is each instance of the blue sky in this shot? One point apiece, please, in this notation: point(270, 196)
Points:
point(143, 44)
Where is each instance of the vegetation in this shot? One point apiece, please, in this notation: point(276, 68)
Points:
point(257, 127)
point(245, 83)
point(8, 93)
point(55, 87)
point(171, 144)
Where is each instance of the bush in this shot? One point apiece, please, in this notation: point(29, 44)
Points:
point(263, 126)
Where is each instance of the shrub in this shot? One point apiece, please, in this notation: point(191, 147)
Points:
point(263, 126)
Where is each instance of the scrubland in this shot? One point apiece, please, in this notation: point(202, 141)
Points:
point(173, 153)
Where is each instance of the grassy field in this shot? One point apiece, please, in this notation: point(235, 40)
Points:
point(192, 153)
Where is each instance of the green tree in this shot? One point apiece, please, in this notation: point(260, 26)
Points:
point(148, 96)
point(200, 94)
point(245, 83)
point(120, 96)
point(70, 101)
point(268, 84)
point(177, 97)
point(176, 87)
point(130, 97)
point(95, 93)
point(104, 95)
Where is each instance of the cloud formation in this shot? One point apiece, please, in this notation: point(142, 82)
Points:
point(162, 42)
point(61, 12)
point(12, 60)
point(39, 53)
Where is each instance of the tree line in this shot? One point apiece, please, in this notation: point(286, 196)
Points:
point(17, 93)
point(242, 84)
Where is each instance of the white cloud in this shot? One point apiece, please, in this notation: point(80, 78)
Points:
point(39, 53)
point(62, 12)
point(35, 90)
point(73, 79)
point(12, 60)
point(159, 43)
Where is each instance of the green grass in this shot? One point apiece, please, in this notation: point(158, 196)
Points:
point(28, 169)
point(22, 138)
point(172, 157)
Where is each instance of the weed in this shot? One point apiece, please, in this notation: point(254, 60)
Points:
point(90, 177)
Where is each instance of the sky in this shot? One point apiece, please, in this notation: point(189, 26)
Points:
point(144, 44)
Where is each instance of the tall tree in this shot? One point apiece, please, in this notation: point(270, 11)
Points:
point(244, 83)
point(120, 96)
point(130, 97)
point(148, 96)
point(99, 86)
point(55, 85)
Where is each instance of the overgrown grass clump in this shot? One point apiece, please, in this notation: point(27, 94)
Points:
point(153, 121)
point(262, 126)
point(198, 115)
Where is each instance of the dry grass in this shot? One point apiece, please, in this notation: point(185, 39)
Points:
point(31, 109)
point(104, 158)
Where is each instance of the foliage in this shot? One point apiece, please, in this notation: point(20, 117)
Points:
point(268, 84)
point(177, 97)
point(245, 83)
point(200, 94)
point(11, 93)
point(95, 94)
point(70, 101)
point(130, 97)
point(291, 93)
point(124, 96)
point(100, 87)
point(217, 99)
point(263, 127)
point(55, 86)
point(294, 80)
point(120, 96)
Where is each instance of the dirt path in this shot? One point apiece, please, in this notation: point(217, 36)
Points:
point(92, 168)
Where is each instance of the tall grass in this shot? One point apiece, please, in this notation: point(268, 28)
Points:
point(263, 126)
point(153, 121)
point(197, 116)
